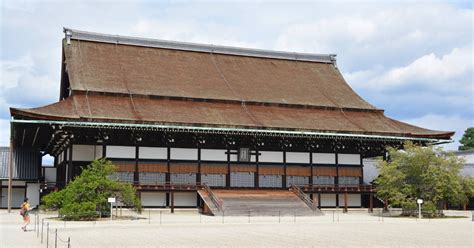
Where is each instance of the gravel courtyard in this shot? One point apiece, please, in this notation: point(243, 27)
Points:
point(187, 228)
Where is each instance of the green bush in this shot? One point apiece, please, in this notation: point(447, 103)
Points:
point(86, 196)
point(429, 209)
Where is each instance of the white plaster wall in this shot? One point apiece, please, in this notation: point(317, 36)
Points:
point(297, 157)
point(32, 192)
point(153, 152)
point(328, 200)
point(348, 158)
point(50, 174)
point(324, 158)
point(213, 154)
point(98, 152)
point(155, 199)
point(275, 157)
point(120, 151)
point(83, 153)
point(185, 199)
point(353, 200)
point(184, 153)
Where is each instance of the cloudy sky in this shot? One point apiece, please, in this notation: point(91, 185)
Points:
point(413, 60)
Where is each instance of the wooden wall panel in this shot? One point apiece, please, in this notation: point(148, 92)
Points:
point(271, 170)
point(124, 167)
point(292, 170)
point(243, 168)
point(214, 169)
point(350, 172)
point(183, 168)
point(324, 171)
point(152, 167)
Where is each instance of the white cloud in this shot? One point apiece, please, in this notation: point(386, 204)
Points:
point(429, 70)
point(4, 132)
point(23, 86)
point(445, 123)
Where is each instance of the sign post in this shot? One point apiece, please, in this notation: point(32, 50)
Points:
point(111, 200)
point(419, 201)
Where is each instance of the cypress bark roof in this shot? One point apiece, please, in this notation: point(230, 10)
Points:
point(113, 78)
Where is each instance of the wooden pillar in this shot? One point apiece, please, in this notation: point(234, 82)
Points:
point(371, 203)
point(227, 176)
point(172, 201)
point(311, 166)
point(319, 200)
point(257, 174)
point(10, 172)
point(198, 175)
point(336, 178)
point(136, 175)
point(168, 155)
point(283, 183)
point(69, 165)
point(361, 178)
point(345, 202)
point(104, 150)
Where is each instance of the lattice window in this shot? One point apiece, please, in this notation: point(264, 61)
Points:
point(213, 180)
point(348, 180)
point(270, 181)
point(323, 180)
point(242, 179)
point(123, 176)
point(297, 180)
point(152, 178)
point(183, 178)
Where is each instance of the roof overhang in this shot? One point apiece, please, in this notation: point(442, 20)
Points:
point(228, 130)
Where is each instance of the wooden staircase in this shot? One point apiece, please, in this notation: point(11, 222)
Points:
point(257, 202)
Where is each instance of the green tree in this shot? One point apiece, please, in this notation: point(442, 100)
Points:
point(467, 140)
point(86, 196)
point(428, 173)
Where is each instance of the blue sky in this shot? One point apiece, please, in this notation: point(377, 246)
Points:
point(412, 59)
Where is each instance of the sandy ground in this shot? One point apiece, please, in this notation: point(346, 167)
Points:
point(187, 228)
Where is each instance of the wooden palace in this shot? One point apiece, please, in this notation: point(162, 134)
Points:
point(181, 120)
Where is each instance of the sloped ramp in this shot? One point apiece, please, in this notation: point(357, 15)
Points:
point(258, 202)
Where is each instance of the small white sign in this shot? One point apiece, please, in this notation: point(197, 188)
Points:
point(419, 201)
point(111, 199)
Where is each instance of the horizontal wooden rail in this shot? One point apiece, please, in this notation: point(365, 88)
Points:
point(341, 188)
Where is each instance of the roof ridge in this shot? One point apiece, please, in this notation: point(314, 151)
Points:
point(196, 47)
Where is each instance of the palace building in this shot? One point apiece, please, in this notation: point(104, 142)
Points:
point(193, 125)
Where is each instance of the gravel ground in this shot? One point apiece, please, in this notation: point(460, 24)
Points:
point(186, 228)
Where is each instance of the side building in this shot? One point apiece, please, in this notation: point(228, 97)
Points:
point(25, 177)
point(174, 115)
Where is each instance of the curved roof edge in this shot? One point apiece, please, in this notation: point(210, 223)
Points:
point(188, 46)
point(78, 111)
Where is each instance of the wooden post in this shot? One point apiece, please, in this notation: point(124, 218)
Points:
point(371, 203)
point(10, 173)
point(345, 202)
point(172, 201)
point(319, 200)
